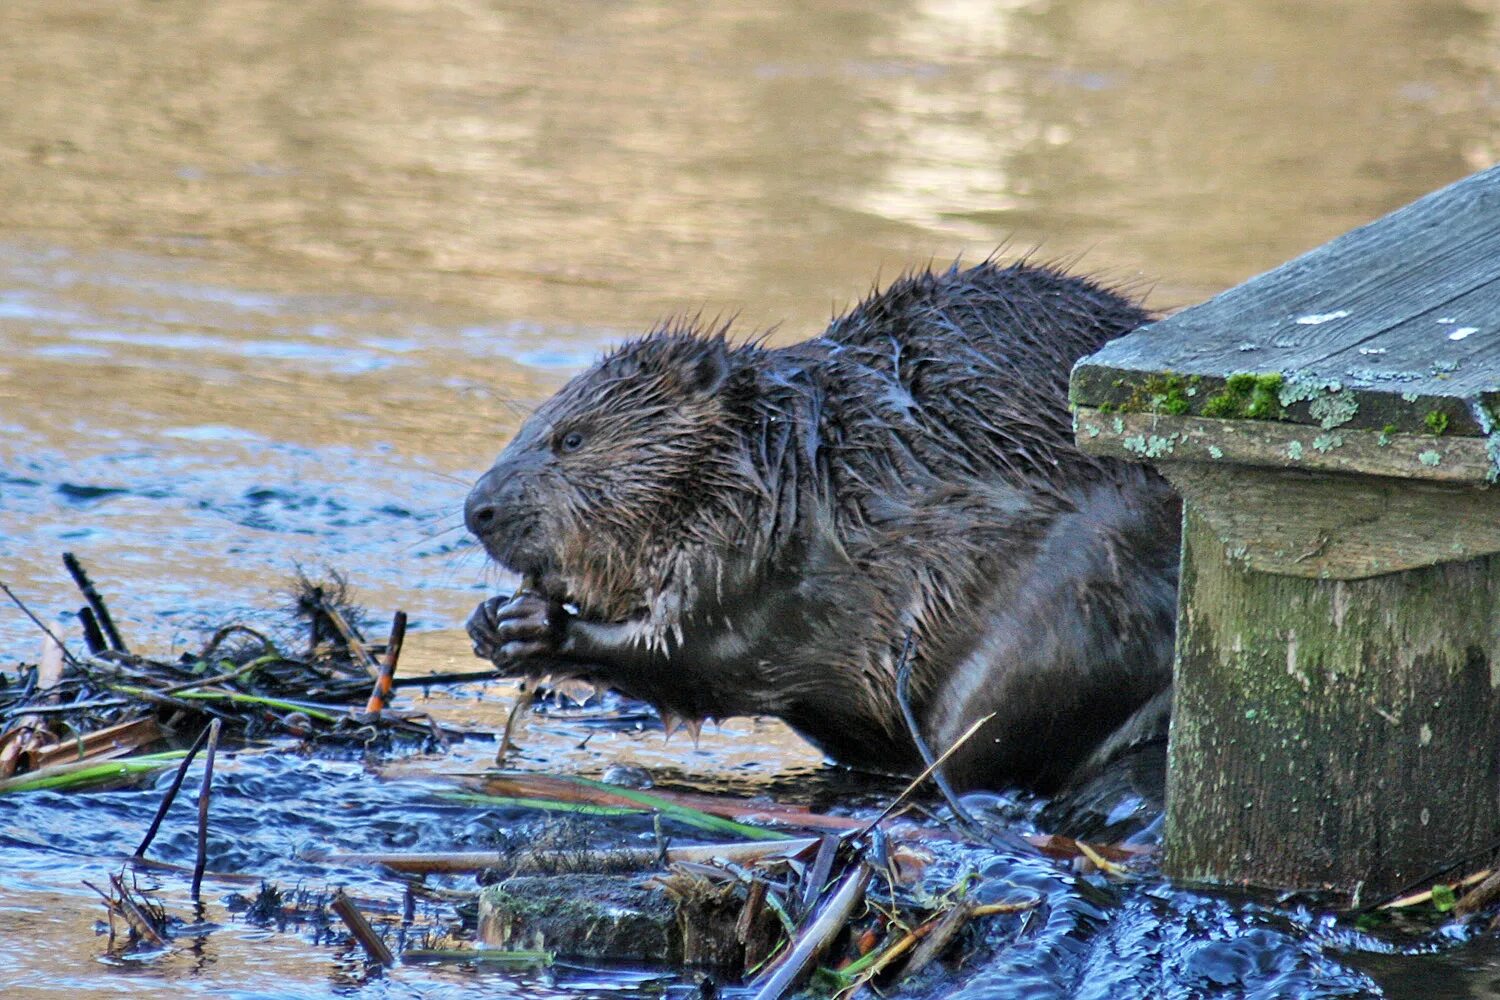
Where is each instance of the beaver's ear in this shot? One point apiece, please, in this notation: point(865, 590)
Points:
point(708, 367)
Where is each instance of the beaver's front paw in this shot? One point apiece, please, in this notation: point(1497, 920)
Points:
point(518, 627)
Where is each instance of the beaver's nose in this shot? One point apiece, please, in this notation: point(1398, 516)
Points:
point(478, 515)
point(485, 501)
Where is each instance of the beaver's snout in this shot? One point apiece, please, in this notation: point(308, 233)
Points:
point(489, 497)
point(499, 511)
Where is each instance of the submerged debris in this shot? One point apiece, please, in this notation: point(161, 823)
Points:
point(145, 921)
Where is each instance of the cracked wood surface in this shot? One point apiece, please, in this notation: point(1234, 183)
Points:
point(1399, 319)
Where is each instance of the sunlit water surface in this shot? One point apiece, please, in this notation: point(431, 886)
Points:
point(277, 279)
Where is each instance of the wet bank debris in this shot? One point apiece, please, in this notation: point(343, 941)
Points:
point(781, 899)
point(86, 717)
point(909, 905)
point(836, 912)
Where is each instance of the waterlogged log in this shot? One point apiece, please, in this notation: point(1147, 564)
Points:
point(672, 920)
point(1332, 733)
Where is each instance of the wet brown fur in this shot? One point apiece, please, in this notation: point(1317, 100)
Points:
point(747, 529)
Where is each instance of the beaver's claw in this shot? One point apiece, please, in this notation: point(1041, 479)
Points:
point(518, 627)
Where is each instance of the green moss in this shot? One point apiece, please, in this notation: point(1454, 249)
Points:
point(1168, 392)
point(1222, 405)
point(1263, 403)
point(1436, 421)
point(1246, 395)
point(1106, 407)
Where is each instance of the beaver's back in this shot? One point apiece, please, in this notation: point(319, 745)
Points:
point(978, 360)
point(1038, 582)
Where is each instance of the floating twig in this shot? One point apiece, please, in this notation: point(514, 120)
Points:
point(916, 782)
point(92, 637)
point(990, 909)
point(101, 744)
point(1425, 896)
point(145, 925)
point(152, 865)
point(465, 862)
point(361, 929)
point(39, 624)
point(817, 876)
point(204, 792)
point(872, 965)
point(1400, 897)
point(1100, 862)
point(352, 639)
point(776, 981)
point(944, 930)
point(166, 801)
point(101, 611)
point(1486, 893)
point(496, 956)
point(867, 969)
point(228, 675)
point(156, 698)
point(382, 690)
point(72, 706)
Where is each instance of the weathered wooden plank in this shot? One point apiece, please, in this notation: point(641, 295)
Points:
point(1331, 733)
point(1454, 343)
point(1367, 280)
point(1395, 326)
point(1332, 526)
point(1146, 437)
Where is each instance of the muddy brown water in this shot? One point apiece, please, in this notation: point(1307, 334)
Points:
point(277, 279)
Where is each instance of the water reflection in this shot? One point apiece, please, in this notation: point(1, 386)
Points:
point(397, 227)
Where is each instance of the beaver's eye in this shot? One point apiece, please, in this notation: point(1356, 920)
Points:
point(571, 441)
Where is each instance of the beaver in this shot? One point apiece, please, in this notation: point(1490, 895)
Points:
point(720, 528)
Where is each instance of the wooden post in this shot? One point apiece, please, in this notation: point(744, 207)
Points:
point(1332, 427)
point(1322, 740)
